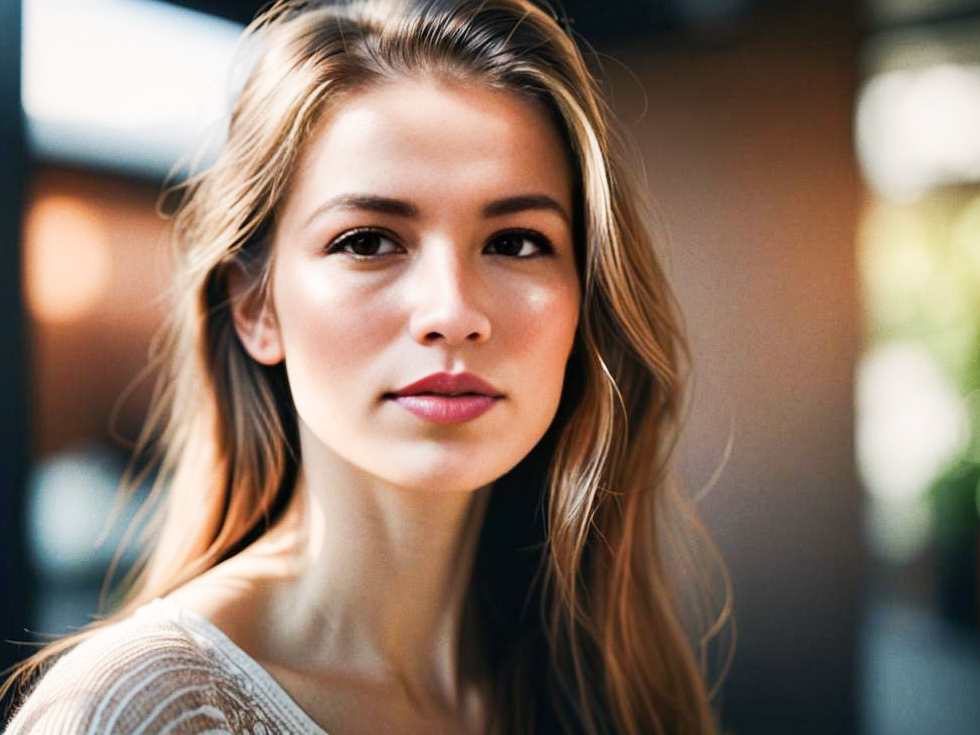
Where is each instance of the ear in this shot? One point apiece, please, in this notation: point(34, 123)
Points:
point(255, 321)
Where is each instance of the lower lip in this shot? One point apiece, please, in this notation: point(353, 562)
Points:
point(445, 409)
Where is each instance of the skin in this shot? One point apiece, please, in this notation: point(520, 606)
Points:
point(359, 595)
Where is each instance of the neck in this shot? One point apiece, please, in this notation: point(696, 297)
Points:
point(379, 580)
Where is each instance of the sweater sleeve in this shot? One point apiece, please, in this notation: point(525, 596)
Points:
point(137, 678)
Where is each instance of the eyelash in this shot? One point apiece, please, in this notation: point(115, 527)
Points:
point(350, 236)
point(543, 243)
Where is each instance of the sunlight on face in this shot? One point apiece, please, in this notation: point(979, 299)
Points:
point(428, 230)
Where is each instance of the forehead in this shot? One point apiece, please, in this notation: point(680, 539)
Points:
point(431, 140)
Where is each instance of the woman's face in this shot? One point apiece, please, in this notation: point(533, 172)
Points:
point(428, 231)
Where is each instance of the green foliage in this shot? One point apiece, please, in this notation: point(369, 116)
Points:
point(920, 268)
point(954, 497)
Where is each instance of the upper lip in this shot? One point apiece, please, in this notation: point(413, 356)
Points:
point(449, 384)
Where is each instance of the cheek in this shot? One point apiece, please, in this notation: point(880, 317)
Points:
point(542, 326)
point(331, 333)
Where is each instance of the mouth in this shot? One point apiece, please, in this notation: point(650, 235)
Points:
point(448, 385)
point(444, 398)
point(440, 395)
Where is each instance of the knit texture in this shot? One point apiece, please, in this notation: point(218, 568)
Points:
point(161, 671)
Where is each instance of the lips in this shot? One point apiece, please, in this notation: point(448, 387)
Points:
point(444, 398)
point(449, 385)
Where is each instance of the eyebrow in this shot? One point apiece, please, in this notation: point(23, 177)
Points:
point(401, 208)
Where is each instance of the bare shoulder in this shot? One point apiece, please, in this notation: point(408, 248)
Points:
point(142, 674)
point(238, 597)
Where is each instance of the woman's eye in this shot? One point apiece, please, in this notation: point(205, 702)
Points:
point(521, 244)
point(363, 244)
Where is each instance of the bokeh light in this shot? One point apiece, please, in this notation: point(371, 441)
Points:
point(66, 259)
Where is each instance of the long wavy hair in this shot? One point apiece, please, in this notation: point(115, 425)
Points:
point(588, 550)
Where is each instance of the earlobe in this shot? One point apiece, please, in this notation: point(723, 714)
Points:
point(254, 319)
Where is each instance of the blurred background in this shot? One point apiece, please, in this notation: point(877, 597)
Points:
point(817, 167)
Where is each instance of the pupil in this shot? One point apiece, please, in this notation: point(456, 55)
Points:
point(364, 244)
point(511, 245)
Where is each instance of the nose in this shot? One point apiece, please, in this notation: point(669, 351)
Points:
point(447, 305)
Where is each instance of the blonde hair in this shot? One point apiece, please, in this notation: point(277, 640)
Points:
point(588, 634)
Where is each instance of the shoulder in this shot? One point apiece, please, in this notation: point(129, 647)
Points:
point(143, 674)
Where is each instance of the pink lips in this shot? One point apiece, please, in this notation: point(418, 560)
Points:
point(444, 398)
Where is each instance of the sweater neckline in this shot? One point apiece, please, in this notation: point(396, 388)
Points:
point(207, 632)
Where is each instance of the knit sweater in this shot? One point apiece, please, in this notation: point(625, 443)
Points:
point(164, 671)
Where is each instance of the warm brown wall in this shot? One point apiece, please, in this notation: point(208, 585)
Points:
point(748, 152)
point(82, 366)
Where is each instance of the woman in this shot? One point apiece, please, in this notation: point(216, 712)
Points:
point(424, 376)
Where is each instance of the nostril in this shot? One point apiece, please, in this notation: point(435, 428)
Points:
point(434, 336)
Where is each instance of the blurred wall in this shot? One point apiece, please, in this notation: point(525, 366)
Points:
point(96, 270)
point(747, 149)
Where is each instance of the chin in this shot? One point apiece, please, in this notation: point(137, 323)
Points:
point(441, 482)
point(447, 472)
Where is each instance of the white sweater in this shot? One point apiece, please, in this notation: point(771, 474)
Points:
point(162, 671)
